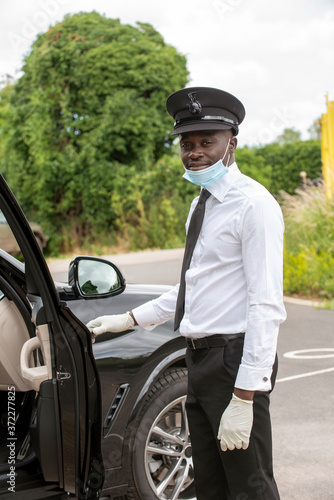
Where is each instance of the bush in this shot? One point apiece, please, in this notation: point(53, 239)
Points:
point(254, 165)
point(151, 207)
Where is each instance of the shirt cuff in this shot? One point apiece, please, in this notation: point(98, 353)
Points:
point(146, 316)
point(253, 379)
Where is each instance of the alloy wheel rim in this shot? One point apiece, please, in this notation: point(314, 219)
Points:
point(168, 454)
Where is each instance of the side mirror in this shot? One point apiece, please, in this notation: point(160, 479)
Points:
point(94, 277)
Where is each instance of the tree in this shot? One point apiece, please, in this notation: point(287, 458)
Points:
point(5, 109)
point(289, 135)
point(92, 97)
point(315, 129)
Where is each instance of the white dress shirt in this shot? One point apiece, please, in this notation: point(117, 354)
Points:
point(234, 282)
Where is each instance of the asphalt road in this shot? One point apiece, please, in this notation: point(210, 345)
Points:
point(302, 403)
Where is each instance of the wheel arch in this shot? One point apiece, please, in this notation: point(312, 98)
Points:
point(173, 360)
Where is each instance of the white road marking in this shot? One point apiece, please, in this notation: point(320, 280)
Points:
point(304, 354)
point(302, 375)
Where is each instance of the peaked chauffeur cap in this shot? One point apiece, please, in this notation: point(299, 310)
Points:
point(204, 108)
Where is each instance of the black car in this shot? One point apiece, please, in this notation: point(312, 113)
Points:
point(82, 420)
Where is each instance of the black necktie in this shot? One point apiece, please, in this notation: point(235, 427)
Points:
point(193, 232)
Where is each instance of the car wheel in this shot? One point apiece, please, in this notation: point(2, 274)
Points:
point(162, 465)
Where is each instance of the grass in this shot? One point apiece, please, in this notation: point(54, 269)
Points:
point(309, 243)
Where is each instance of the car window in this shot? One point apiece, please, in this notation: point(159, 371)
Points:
point(7, 239)
point(2, 218)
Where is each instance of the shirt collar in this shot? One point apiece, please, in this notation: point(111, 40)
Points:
point(220, 188)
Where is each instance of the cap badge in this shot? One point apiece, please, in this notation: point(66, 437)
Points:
point(194, 105)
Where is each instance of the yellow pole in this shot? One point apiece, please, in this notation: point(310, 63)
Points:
point(327, 147)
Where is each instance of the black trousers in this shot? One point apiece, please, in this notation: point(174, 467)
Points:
point(230, 475)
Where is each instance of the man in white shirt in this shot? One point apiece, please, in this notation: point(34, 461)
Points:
point(228, 306)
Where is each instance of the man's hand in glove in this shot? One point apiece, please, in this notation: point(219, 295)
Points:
point(236, 424)
point(115, 323)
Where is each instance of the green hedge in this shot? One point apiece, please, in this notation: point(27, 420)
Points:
point(278, 166)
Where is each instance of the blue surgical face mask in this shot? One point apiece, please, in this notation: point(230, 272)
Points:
point(209, 175)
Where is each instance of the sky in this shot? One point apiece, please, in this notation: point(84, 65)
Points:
point(276, 57)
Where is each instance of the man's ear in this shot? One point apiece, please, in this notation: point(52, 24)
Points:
point(233, 144)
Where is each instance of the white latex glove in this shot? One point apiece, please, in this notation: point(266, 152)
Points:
point(236, 424)
point(115, 323)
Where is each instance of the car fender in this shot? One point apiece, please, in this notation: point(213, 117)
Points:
point(167, 362)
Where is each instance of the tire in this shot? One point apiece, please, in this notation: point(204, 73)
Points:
point(161, 461)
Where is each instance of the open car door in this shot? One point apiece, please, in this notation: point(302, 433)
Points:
point(56, 366)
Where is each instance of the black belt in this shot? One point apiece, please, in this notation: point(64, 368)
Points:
point(212, 341)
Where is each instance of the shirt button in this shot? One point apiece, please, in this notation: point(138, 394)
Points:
point(265, 379)
point(186, 316)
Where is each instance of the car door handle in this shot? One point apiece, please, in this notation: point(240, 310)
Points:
point(35, 375)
